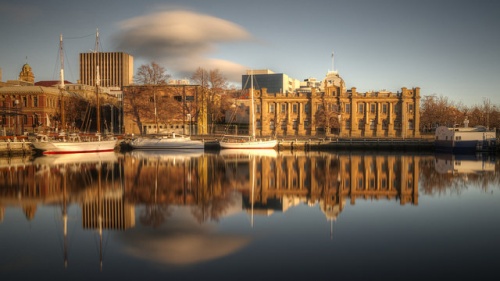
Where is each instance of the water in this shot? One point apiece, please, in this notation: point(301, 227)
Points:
point(238, 216)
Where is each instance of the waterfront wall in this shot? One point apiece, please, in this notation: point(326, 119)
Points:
point(15, 147)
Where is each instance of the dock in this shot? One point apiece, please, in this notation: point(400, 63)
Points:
point(420, 144)
point(13, 147)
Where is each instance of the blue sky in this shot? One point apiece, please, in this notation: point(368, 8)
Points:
point(445, 47)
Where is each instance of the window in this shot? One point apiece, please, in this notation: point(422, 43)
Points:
point(307, 124)
point(283, 125)
point(384, 108)
point(348, 108)
point(372, 124)
point(295, 108)
point(257, 108)
point(361, 124)
point(373, 108)
point(258, 124)
point(272, 125)
point(361, 108)
point(283, 107)
point(295, 124)
point(348, 124)
point(307, 108)
point(410, 108)
point(271, 108)
point(410, 124)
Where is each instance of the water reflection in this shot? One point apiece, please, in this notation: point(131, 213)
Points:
point(179, 198)
point(266, 181)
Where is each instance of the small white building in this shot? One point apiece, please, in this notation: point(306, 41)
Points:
point(465, 139)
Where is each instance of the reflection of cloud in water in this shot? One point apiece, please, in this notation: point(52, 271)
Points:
point(181, 240)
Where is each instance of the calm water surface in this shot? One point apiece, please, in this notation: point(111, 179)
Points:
point(237, 216)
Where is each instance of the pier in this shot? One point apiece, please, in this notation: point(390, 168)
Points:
point(358, 143)
point(14, 146)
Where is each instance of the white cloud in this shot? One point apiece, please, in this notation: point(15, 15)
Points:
point(181, 41)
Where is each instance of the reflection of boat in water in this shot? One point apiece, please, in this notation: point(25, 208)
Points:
point(464, 163)
point(242, 154)
point(171, 141)
point(166, 154)
point(78, 158)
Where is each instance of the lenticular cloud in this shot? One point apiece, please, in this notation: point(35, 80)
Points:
point(170, 34)
point(182, 40)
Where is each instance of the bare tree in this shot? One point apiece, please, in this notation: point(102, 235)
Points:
point(213, 84)
point(137, 105)
point(327, 116)
point(151, 74)
point(438, 111)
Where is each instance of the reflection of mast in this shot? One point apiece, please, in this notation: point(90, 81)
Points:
point(65, 223)
point(99, 218)
point(253, 187)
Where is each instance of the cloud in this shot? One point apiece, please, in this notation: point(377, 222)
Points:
point(181, 40)
point(182, 240)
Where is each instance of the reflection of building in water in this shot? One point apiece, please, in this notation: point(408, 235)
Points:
point(328, 179)
point(464, 164)
point(107, 211)
point(56, 182)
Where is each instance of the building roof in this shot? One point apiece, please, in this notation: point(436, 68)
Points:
point(28, 89)
point(50, 83)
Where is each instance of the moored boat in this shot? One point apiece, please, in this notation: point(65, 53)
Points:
point(248, 142)
point(170, 141)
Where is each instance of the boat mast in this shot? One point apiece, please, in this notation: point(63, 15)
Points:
point(252, 105)
point(97, 82)
point(61, 86)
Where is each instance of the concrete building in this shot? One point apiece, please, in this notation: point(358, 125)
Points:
point(116, 69)
point(273, 82)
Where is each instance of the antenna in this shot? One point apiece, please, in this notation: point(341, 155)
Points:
point(96, 48)
point(61, 58)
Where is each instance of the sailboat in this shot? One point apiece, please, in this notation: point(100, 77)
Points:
point(74, 143)
point(248, 142)
point(170, 141)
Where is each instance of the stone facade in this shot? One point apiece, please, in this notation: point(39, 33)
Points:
point(332, 110)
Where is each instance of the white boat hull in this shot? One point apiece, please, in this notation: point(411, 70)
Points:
point(61, 147)
point(166, 143)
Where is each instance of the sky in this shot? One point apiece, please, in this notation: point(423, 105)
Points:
point(448, 48)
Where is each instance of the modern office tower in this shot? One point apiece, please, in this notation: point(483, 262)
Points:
point(116, 69)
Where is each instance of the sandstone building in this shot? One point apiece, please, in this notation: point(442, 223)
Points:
point(327, 108)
